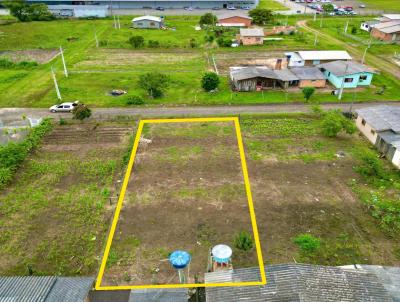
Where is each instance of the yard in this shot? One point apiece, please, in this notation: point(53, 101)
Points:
point(56, 212)
point(272, 5)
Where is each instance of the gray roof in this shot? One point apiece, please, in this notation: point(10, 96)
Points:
point(252, 32)
point(299, 282)
point(382, 118)
point(389, 27)
point(343, 68)
point(44, 289)
point(159, 295)
point(308, 73)
point(262, 72)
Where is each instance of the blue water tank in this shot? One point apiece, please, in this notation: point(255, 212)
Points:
point(179, 259)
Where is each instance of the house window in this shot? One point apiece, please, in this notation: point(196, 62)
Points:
point(363, 122)
point(363, 78)
point(372, 132)
point(329, 74)
point(348, 80)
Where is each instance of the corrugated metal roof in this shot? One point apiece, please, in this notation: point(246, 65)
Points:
point(392, 16)
point(300, 282)
point(324, 55)
point(343, 68)
point(389, 27)
point(244, 73)
point(308, 73)
point(252, 32)
point(25, 289)
point(150, 18)
point(159, 295)
point(382, 118)
point(44, 289)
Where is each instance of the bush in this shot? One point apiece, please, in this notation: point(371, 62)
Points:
point(353, 30)
point(210, 81)
point(13, 154)
point(81, 111)
point(153, 44)
point(193, 43)
point(307, 242)
point(370, 166)
point(25, 13)
point(243, 241)
point(308, 92)
point(6, 63)
point(261, 16)
point(154, 83)
point(136, 41)
point(135, 100)
point(208, 19)
point(334, 122)
point(224, 42)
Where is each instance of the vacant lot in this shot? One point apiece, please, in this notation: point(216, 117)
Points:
point(186, 192)
point(55, 214)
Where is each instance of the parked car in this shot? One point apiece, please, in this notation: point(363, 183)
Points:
point(160, 8)
point(188, 8)
point(63, 107)
point(361, 6)
point(216, 8)
point(246, 7)
point(231, 8)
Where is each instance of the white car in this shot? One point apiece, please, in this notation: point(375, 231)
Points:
point(64, 107)
point(231, 8)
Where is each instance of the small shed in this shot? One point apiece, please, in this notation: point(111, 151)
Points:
point(309, 77)
point(251, 36)
point(260, 78)
point(347, 74)
point(148, 22)
point(234, 21)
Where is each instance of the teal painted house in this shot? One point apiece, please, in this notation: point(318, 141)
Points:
point(347, 73)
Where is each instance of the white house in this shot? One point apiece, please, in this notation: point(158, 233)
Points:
point(312, 58)
point(148, 22)
point(381, 125)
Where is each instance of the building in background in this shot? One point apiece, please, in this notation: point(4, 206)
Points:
point(309, 77)
point(251, 36)
point(312, 58)
point(148, 22)
point(147, 4)
point(234, 21)
point(387, 31)
point(381, 125)
point(79, 11)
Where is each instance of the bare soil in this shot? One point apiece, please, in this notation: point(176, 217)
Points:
point(40, 56)
point(184, 193)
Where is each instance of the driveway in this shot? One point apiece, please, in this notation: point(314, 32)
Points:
point(10, 115)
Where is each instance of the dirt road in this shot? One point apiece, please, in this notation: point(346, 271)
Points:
point(356, 52)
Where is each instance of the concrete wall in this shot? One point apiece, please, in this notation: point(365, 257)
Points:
point(337, 81)
point(396, 158)
point(366, 130)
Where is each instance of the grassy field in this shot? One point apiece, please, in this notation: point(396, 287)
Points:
point(385, 5)
point(56, 212)
point(94, 72)
point(272, 5)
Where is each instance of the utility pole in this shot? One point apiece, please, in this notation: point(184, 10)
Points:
point(63, 61)
point(342, 86)
point(315, 39)
point(119, 23)
point(55, 84)
point(322, 17)
point(346, 27)
point(97, 40)
point(315, 16)
point(365, 52)
point(115, 22)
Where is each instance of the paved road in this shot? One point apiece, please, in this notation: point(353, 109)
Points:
point(13, 115)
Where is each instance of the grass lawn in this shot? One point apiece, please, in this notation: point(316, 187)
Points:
point(272, 5)
point(385, 5)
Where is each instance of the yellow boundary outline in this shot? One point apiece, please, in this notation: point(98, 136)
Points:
point(122, 195)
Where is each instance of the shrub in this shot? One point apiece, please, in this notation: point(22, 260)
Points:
point(210, 81)
point(353, 30)
point(224, 42)
point(153, 44)
point(6, 63)
point(209, 38)
point(334, 122)
point(308, 92)
point(25, 13)
point(244, 241)
point(307, 242)
point(208, 19)
point(103, 43)
point(81, 112)
point(134, 100)
point(261, 16)
point(13, 154)
point(62, 122)
point(370, 166)
point(154, 83)
point(136, 41)
point(193, 43)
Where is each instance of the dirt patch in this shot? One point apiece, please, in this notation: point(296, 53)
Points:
point(185, 193)
point(40, 56)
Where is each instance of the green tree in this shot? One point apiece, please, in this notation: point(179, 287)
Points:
point(210, 81)
point(208, 19)
point(261, 16)
point(334, 122)
point(136, 41)
point(308, 92)
point(328, 8)
point(16, 7)
point(81, 112)
point(25, 13)
point(154, 83)
point(224, 42)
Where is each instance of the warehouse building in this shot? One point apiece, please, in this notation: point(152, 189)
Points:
point(146, 4)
